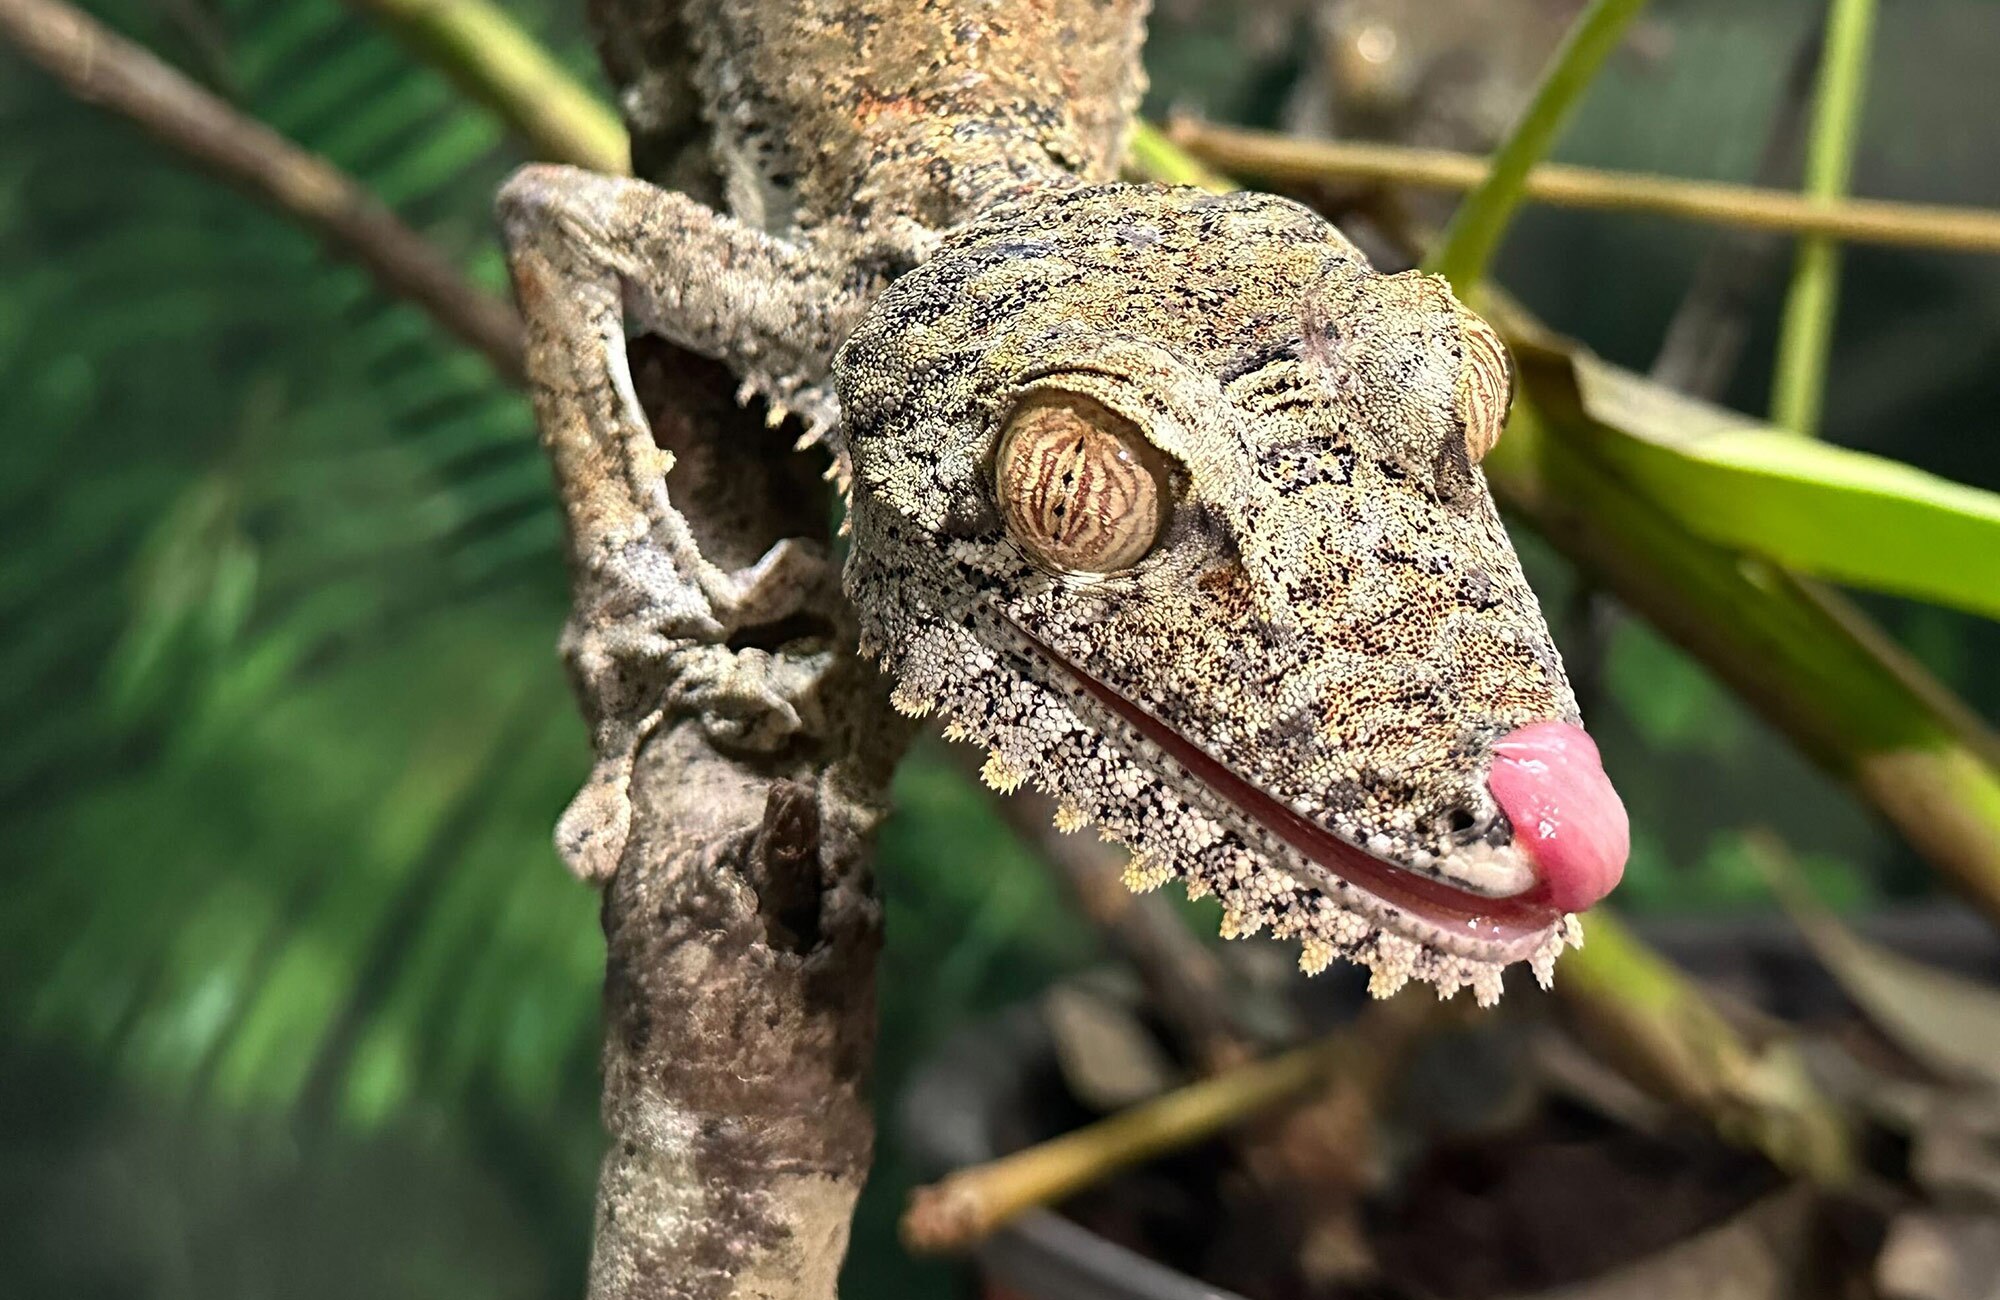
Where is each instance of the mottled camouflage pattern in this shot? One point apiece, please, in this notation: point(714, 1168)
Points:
point(1334, 610)
point(857, 113)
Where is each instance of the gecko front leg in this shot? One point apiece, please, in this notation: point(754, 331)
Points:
point(649, 637)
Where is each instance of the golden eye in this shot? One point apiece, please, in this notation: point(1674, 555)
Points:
point(1080, 487)
point(1485, 387)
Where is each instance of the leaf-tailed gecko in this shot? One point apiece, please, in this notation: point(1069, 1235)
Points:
point(1165, 498)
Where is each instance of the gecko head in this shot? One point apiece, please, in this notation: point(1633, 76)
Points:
point(1173, 504)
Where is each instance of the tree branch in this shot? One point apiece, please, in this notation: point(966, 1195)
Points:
point(741, 928)
point(100, 67)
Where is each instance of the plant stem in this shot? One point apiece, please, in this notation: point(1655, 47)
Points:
point(487, 54)
point(1656, 1026)
point(1476, 228)
point(970, 1204)
point(100, 67)
point(1806, 337)
point(1287, 160)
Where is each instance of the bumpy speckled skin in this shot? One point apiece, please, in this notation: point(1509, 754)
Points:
point(879, 113)
point(1334, 610)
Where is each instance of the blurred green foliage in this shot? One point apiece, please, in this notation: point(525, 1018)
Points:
point(296, 998)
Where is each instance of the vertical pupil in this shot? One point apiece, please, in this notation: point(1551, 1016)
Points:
point(1075, 487)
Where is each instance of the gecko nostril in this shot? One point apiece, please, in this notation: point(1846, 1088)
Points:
point(1469, 825)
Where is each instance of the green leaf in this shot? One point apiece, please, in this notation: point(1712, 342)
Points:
point(1843, 515)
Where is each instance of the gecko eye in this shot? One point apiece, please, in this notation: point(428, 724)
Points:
point(1080, 488)
point(1485, 387)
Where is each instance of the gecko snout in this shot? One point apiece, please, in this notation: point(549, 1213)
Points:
point(1548, 779)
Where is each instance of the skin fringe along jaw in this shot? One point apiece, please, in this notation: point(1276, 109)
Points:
point(1191, 446)
point(1532, 925)
point(1172, 503)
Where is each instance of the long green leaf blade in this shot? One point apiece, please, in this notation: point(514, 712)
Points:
point(1843, 515)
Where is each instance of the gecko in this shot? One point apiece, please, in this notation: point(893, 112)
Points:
point(1167, 499)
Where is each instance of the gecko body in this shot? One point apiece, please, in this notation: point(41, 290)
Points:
point(1167, 499)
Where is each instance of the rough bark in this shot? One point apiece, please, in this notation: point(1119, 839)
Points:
point(741, 927)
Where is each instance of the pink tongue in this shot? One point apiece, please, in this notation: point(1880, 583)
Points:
point(1548, 780)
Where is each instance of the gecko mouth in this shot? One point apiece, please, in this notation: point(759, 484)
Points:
point(1452, 911)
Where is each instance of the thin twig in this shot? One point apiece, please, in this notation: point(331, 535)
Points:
point(101, 67)
point(1476, 228)
point(1704, 340)
point(489, 55)
point(970, 1204)
point(1277, 159)
point(1806, 335)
